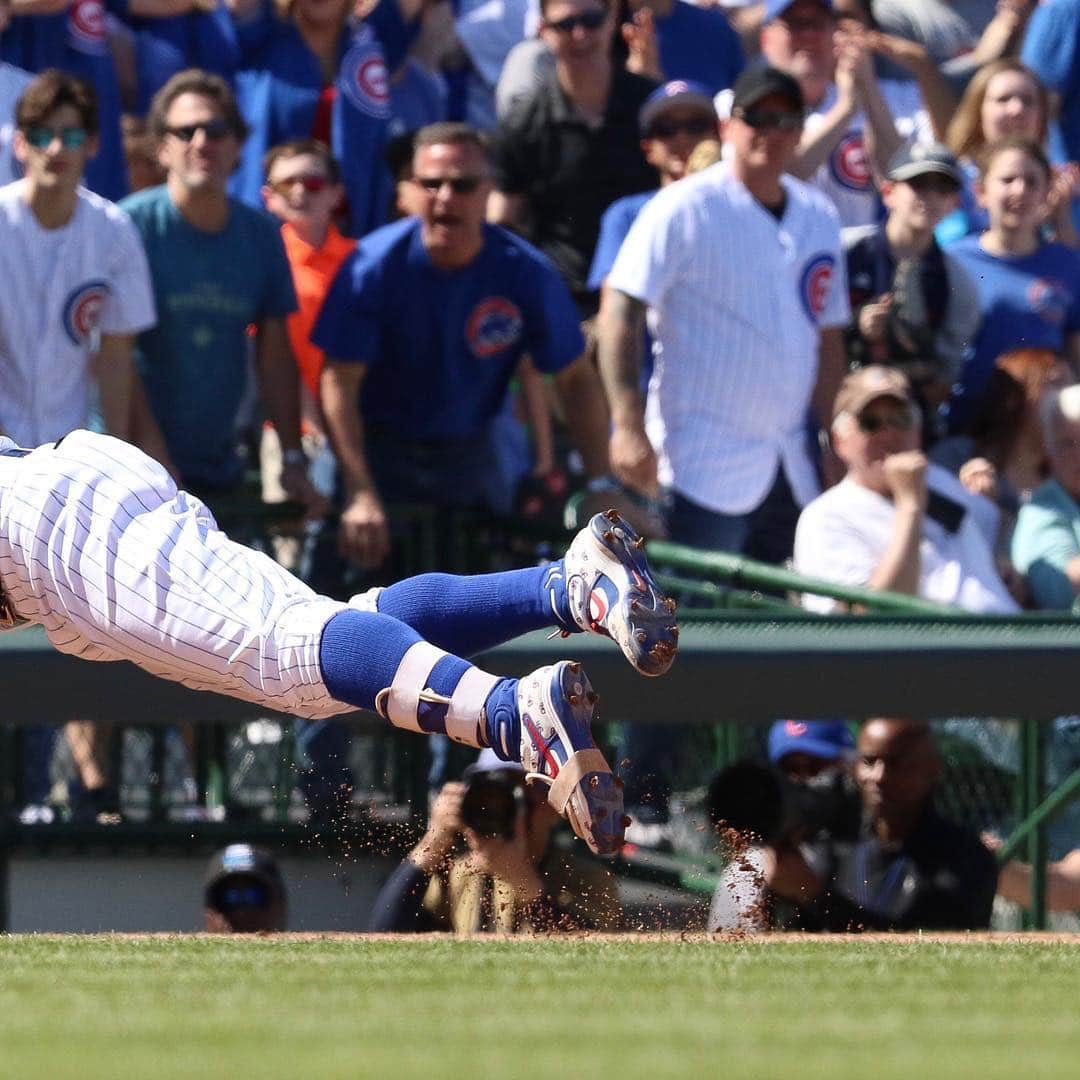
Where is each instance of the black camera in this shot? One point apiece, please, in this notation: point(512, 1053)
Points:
point(760, 799)
point(492, 803)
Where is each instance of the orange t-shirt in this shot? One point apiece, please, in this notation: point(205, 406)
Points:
point(313, 271)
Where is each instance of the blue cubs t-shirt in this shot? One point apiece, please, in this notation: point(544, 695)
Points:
point(208, 287)
point(1029, 301)
point(442, 345)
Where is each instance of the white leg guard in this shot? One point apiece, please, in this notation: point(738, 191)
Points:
point(461, 718)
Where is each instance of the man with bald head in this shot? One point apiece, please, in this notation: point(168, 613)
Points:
point(910, 868)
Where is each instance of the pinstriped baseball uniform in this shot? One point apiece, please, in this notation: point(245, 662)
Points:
point(736, 304)
point(99, 547)
point(62, 288)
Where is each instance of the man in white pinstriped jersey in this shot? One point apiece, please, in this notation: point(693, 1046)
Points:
point(741, 271)
point(99, 547)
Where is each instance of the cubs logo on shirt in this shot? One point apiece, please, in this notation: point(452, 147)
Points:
point(363, 78)
point(495, 324)
point(86, 27)
point(814, 284)
point(82, 311)
point(849, 163)
point(1050, 299)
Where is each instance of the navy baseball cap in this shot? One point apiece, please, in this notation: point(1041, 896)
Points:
point(776, 8)
point(828, 739)
point(676, 92)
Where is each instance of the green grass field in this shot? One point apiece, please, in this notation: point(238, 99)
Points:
point(603, 1009)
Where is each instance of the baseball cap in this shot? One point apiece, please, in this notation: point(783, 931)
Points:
point(243, 860)
point(919, 159)
point(676, 92)
point(828, 739)
point(487, 761)
point(759, 82)
point(775, 8)
point(868, 384)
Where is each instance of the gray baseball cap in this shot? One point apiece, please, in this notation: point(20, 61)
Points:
point(919, 159)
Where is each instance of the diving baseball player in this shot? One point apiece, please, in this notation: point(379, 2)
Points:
point(99, 547)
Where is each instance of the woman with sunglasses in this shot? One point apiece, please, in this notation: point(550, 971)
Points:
point(1004, 98)
point(1028, 287)
point(321, 69)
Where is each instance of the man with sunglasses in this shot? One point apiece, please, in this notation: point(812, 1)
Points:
point(896, 521)
point(423, 329)
point(76, 291)
point(739, 268)
point(218, 268)
point(674, 120)
point(566, 151)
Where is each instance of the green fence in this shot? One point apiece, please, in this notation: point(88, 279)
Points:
point(747, 656)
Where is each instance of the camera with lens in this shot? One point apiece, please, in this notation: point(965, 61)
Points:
point(761, 800)
point(492, 803)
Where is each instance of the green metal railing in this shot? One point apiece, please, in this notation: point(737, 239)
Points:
point(723, 587)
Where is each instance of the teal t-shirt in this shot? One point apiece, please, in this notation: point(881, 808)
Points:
point(1046, 537)
point(209, 287)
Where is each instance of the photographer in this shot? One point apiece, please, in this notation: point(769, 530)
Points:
point(507, 877)
point(913, 306)
point(909, 868)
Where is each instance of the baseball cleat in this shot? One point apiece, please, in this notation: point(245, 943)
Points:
point(611, 591)
point(557, 705)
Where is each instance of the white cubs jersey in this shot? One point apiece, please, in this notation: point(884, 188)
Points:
point(846, 176)
point(737, 300)
point(62, 289)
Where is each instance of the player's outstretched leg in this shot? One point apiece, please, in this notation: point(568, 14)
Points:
point(603, 585)
point(544, 720)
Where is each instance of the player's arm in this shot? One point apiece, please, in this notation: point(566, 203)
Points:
point(363, 535)
point(582, 397)
point(279, 386)
point(114, 369)
point(621, 327)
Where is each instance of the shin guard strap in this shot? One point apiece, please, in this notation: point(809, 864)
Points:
point(410, 680)
point(463, 720)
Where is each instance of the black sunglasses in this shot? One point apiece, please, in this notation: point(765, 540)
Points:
point(773, 119)
point(667, 129)
point(459, 185)
point(589, 20)
point(900, 420)
point(214, 130)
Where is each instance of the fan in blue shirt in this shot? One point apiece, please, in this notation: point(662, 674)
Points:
point(1029, 289)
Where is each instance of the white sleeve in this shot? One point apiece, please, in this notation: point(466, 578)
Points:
point(129, 307)
point(832, 549)
point(654, 251)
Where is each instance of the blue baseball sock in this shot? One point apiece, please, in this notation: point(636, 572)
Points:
point(468, 614)
point(360, 652)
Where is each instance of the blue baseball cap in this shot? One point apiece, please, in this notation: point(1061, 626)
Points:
point(676, 92)
point(827, 739)
point(775, 8)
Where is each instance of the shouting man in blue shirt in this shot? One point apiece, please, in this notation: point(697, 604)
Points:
point(432, 315)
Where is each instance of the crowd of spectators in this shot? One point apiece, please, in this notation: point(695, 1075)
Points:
point(427, 239)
